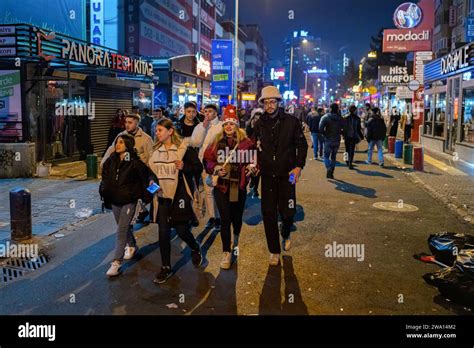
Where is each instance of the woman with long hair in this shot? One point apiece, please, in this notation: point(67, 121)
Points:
point(232, 157)
point(124, 181)
point(174, 167)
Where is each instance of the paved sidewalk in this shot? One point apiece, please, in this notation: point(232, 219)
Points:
point(55, 204)
point(447, 180)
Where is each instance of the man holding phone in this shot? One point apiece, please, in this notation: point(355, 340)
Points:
point(282, 149)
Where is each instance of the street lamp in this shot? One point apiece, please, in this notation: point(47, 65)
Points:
point(304, 41)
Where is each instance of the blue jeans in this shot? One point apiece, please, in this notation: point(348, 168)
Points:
point(379, 144)
point(318, 144)
point(330, 154)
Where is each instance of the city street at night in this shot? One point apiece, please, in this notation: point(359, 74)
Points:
point(176, 170)
point(335, 211)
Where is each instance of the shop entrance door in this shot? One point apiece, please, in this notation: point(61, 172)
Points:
point(454, 85)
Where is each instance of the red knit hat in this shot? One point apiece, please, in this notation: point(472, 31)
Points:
point(230, 115)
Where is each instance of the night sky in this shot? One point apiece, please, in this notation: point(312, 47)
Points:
point(339, 23)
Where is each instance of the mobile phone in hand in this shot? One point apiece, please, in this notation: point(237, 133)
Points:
point(292, 178)
point(153, 188)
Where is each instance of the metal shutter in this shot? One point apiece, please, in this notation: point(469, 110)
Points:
point(107, 101)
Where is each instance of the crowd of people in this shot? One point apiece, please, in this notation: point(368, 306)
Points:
point(157, 166)
point(353, 125)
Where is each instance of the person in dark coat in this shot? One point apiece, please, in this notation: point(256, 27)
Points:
point(376, 132)
point(124, 182)
point(394, 120)
point(281, 153)
point(117, 127)
point(331, 127)
point(312, 120)
point(352, 134)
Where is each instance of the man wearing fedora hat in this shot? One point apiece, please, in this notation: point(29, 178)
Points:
point(282, 150)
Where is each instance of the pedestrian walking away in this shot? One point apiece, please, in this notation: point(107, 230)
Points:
point(331, 127)
point(232, 158)
point(282, 149)
point(175, 166)
point(352, 134)
point(376, 133)
point(124, 182)
point(406, 124)
point(146, 122)
point(312, 120)
point(394, 120)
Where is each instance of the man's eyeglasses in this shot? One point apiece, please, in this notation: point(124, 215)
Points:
point(270, 102)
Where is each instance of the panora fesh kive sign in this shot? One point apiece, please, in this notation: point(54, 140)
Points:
point(87, 54)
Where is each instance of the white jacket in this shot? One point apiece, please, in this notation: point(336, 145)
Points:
point(203, 137)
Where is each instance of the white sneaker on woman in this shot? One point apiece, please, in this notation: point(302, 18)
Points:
point(274, 259)
point(129, 252)
point(226, 260)
point(114, 269)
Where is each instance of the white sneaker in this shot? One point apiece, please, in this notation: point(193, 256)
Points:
point(114, 269)
point(274, 259)
point(286, 244)
point(129, 252)
point(226, 260)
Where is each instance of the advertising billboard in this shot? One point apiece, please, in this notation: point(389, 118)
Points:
point(10, 106)
point(67, 17)
point(415, 23)
point(221, 67)
point(406, 40)
point(159, 28)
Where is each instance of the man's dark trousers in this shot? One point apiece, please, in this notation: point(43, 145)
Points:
point(278, 197)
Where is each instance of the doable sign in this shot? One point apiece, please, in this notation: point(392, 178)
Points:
point(456, 60)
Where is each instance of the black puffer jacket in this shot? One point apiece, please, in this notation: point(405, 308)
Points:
point(124, 182)
point(376, 129)
point(332, 127)
point(313, 120)
point(281, 144)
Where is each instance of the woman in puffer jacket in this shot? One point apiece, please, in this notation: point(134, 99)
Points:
point(233, 158)
point(124, 182)
point(174, 167)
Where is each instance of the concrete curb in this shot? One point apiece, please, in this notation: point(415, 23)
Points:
point(416, 179)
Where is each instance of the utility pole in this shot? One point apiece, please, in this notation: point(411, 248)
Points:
point(236, 50)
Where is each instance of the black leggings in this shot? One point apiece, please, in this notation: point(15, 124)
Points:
point(183, 229)
point(231, 214)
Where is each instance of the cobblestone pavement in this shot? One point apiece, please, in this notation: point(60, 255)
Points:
point(450, 182)
point(54, 203)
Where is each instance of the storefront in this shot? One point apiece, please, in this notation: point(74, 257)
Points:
point(69, 92)
point(183, 79)
point(449, 104)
